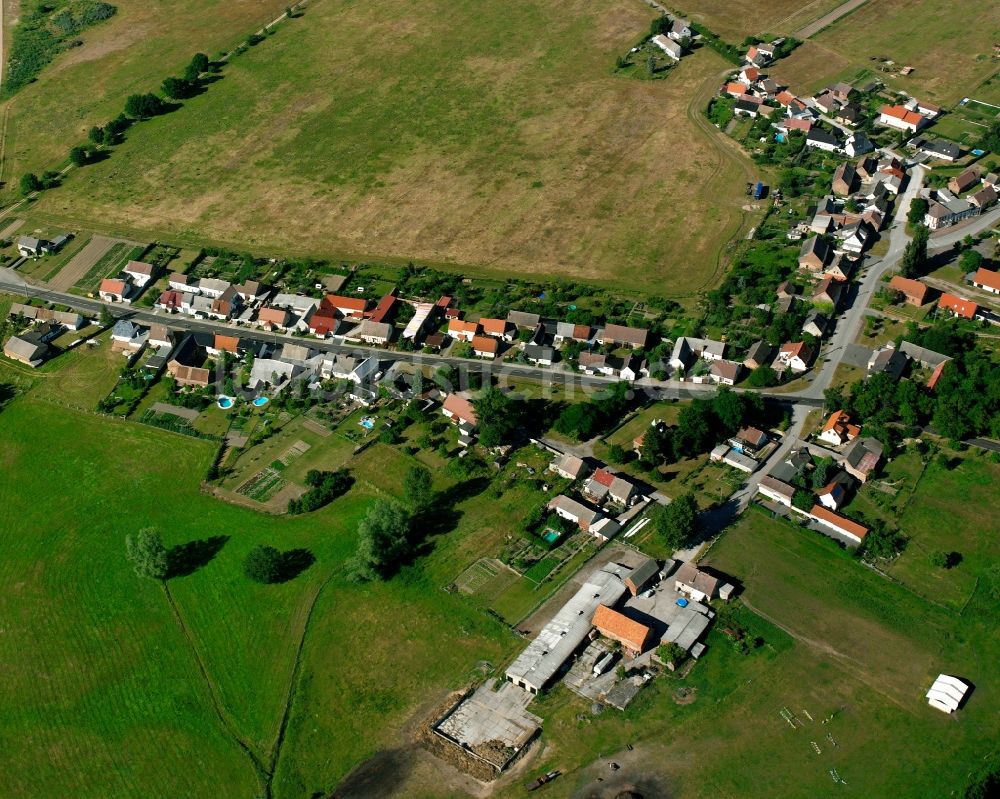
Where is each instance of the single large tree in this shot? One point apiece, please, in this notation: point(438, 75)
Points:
point(384, 541)
point(417, 489)
point(676, 522)
point(915, 255)
point(498, 417)
point(148, 555)
point(263, 564)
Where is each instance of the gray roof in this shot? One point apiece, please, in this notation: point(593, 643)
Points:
point(922, 355)
point(761, 352)
point(791, 467)
point(295, 353)
point(536, 352)
point(571, 625)
point(125, 329)
point(26, 347)
point(644, 572)
point(523, 319)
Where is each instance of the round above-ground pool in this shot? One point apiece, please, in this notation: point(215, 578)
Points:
point(225, 402)
point(260, 402)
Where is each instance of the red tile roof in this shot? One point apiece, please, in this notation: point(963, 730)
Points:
point(458, 327)
point(619, 627)
point(842, 522)
point(460, 408)
point(902, 114)
point(966, 309)
point(350, 305)
point(736, 88)
point(493, 327)
point(913, 289)
point(384, 308)
point(112, 286)
point(988, 278)
point(604, 477)
point(936, 375)
point(485, 344)
point(227, 343)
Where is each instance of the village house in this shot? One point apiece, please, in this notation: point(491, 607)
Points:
point(857, 144)
point(485, 347)
point(31, 347)
point(699, 585)
point(898, 117)
point(965, 180)
point(834, 494)
point(679, 31)
point(839, 524)
point(814, 254)
point(914, 291)
point(522, 319)
point(569, 331)
point(957, 306)
point(825, 140)
point(776, 490)
point(987, 280)
point(160, 335)
point(672, 48)
point(115, 290)
point(761, 353)
point(170, 301)
point(845, 178)
point(940, 149)
point(748, 440)
point(222, 343)
point(272, 318)
point(595, 363)
point(760, 55)
point(815, 324)
point(569, 466)
point(127, 337)
point(619, 335)
point(385, 311)
point(841, 269)
point(829, 291)
point(746, 108)
point(539, 354)
point(686, 350)
point(139, 273)
point(30, 247)
point(371, 332)
point(862, 457)
point(579, 514)
point(945, 211)
point(985, 198)
point(726, 373)
point(348, 307)
point(31, 313)
point(854, 237)
point(499, 328)
point(459, 410)
point(838, 429)
point(889, 361)
point(604, 484)
point(213, 287)
point(463, 331)
point(795, 356)
point(189, 376)
point(634, 637)
point(736, 88)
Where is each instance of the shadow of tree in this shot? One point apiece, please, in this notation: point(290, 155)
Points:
point(186, 559)
point(7, 393)
point(293, 563)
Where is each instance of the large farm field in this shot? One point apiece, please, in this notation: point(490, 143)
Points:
point(950, 56)
point(420, 131)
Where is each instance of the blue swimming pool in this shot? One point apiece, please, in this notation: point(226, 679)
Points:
point(551, 536)
point(779, 137)
point(225, 403)
point(367, 423)
point(260, 402)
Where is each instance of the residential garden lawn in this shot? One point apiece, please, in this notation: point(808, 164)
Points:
point(922, 35)
point(82, 376)
point(102, 674)
point(454, 151)
point(962, 495)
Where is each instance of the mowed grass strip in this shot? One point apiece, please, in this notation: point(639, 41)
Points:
point(519, 153)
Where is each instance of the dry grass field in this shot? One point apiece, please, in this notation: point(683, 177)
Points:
point(421, 131)
point(736, 19)
point(950, 56)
